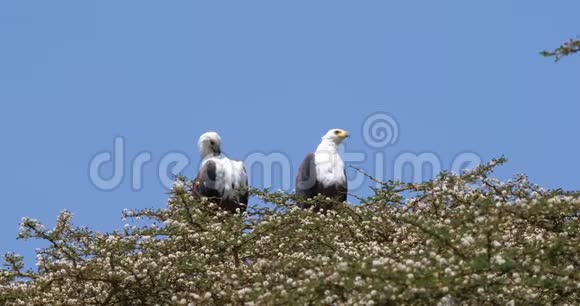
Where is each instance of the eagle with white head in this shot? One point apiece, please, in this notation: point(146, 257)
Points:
point(323, 172)
point(222, 180)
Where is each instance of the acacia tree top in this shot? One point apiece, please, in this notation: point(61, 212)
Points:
point(459, 238)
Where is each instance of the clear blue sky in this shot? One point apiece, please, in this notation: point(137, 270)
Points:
point(271, 76)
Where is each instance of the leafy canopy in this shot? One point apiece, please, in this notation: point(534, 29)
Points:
point(462, 238)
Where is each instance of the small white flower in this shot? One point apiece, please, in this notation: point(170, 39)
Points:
point(499, 260)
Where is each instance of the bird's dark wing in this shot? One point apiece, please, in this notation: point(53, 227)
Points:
point(306, 184)
point(204, 184)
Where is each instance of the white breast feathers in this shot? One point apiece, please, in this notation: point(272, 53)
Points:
point(230, 176)
point(329, 166)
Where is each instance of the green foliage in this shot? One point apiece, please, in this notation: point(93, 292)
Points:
point(460, 239)
point(567, 48)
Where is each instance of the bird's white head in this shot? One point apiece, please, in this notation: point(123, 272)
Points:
point(209, 145)
point(335, 136)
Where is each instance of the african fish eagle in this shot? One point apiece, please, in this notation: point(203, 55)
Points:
point(323, 172)
point(222, 180)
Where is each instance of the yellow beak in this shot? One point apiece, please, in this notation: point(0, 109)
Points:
point(343, 134)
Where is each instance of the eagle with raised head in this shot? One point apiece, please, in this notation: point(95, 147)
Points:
point(323, 172)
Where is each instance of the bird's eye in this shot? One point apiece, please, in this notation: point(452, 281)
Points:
point(336, 132)
point(211, 142)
